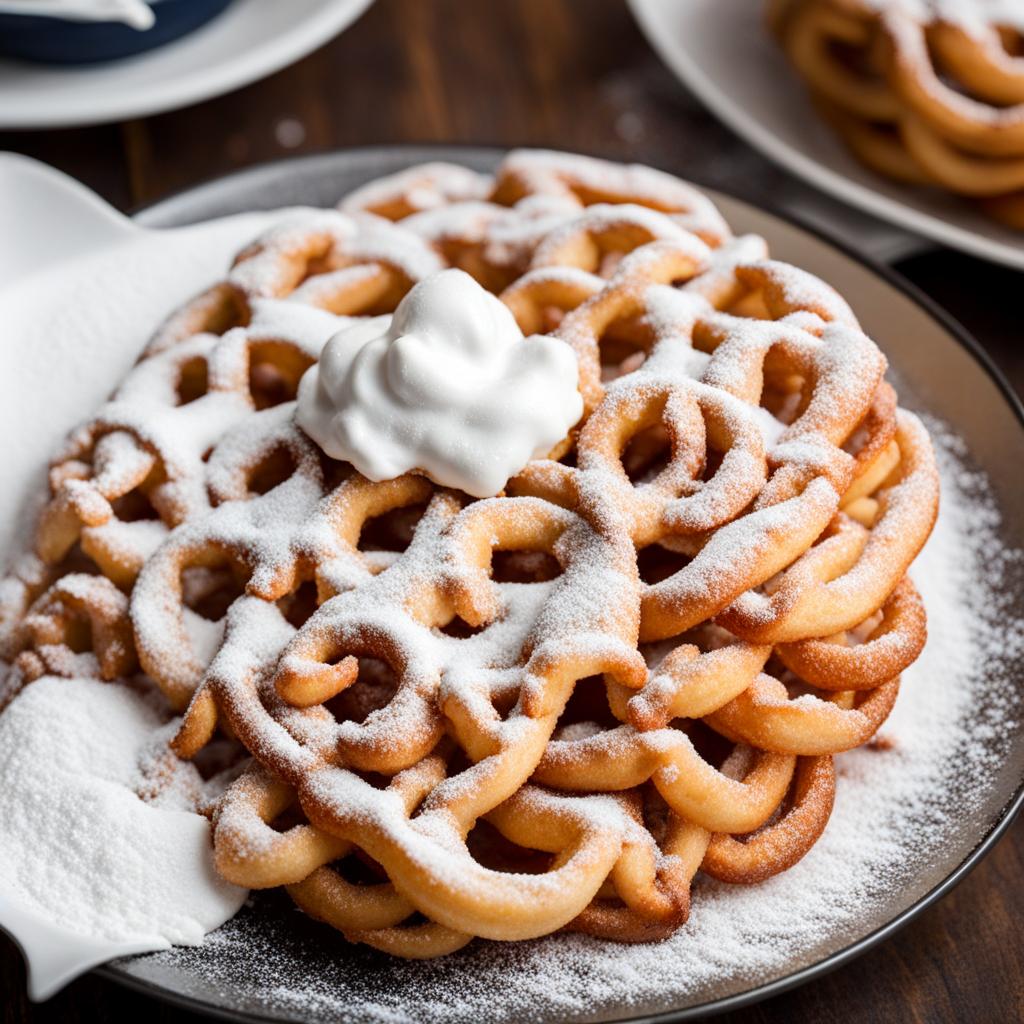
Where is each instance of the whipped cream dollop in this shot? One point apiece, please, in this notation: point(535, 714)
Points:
point(447, 386)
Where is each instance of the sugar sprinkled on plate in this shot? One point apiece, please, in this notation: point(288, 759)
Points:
point(898, 827)
point(79, 847)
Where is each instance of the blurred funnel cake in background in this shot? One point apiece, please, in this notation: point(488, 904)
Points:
point(929, 92)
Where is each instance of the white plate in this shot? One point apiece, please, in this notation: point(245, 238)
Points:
point(250, 40)
point(721, 49)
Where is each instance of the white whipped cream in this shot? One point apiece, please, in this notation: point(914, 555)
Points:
point(447, 386)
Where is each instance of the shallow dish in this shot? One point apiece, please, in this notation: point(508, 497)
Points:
point(272, 963)
point(250, 40)
point(51, 40)
point(721, 49)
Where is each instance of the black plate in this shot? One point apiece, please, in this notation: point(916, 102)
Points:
point(256, 967)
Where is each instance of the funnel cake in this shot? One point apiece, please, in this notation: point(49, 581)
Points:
point(547, 709)
point(929, 92)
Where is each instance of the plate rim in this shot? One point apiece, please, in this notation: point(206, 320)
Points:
point(820, 176)
point(945, 320)
point(322, 25)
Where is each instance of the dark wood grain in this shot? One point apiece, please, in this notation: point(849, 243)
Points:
point(572, 74)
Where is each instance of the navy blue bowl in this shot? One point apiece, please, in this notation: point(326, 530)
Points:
point(61, 41)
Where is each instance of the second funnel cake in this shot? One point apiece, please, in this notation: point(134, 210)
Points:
point(929, 92)
point(545, 709)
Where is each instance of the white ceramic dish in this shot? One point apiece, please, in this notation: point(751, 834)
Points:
point(250, 40)
point(722, 51)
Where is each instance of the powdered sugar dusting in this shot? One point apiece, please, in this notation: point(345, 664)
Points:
point(897, 828)
point(971, 14)
point(79, 847)
point(93, 332)
point(218, 463)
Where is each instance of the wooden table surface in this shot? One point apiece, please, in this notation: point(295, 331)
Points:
point(576, 75)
